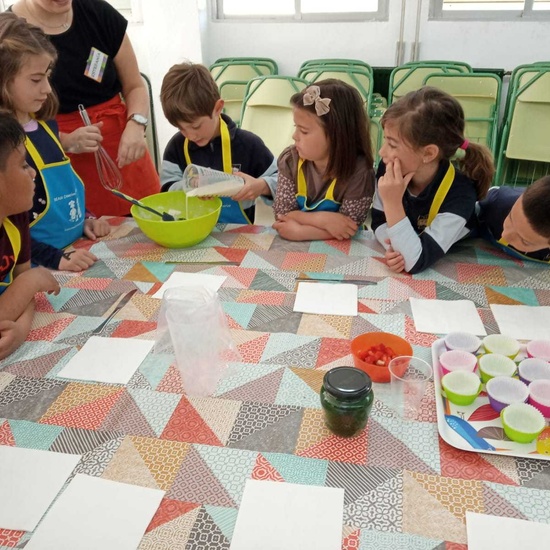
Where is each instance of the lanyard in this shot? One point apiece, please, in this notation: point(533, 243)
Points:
point(302, 186)
point(226, 148)
point(441, 194)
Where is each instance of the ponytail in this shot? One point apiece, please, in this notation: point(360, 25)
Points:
point(477, 164)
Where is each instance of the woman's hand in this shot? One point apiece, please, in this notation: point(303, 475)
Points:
point(85, 139)
point(132, 144)
point(392, 185)
point(96, 228)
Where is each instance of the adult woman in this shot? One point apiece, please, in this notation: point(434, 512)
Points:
point(97, 64)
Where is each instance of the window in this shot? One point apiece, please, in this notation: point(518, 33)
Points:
point(489, 9)
point(302, 10)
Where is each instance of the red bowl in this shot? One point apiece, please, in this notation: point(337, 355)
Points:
point(365, 341)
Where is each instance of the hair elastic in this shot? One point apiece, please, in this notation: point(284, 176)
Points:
point(464, 145)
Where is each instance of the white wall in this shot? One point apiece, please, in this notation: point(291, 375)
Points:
point(169, 33)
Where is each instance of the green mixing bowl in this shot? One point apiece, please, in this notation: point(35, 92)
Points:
point(196, 223)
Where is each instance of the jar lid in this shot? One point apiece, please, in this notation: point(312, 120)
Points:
point(347, 382)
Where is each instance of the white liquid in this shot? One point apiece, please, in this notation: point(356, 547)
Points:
point(226, 188)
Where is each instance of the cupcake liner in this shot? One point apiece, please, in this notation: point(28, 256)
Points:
point(503, 391)
point(457, 360)
point(539, 349)
point(461, 387)
point(533, 369)
point(522, 422)
point(495, 364)
point(499, 343)
point(463, 341)
point(539, 396)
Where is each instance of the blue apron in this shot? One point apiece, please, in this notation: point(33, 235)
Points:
point(327, 204)
point(62, 221)
point(505, 247)
point(232, 211)
point(15, 239)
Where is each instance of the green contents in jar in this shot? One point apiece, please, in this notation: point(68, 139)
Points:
point(347, 398)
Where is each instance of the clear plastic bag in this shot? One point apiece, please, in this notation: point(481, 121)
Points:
point(192, 319)
point(203, 182)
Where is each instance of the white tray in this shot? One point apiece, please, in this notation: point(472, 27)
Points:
point(484, 420)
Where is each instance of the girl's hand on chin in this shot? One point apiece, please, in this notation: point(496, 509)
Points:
point(392, 184)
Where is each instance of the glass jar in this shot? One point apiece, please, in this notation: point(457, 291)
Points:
point(347, 398)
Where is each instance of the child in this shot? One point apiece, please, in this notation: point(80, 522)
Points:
point(422, 205)
point(18, 283)
point(191, 101)
point(326, 179)
point(517, 220)
point(57, 214)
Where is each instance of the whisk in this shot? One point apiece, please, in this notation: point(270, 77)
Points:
point(109, 174)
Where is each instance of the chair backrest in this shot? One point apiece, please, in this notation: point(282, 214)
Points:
point(335, 62)
point(409, 77)
point(267, 111)
point(232, 92)
point(479, 96)
point(357, 77)
point(238, 70)
point(151, 131)
point(258, 60)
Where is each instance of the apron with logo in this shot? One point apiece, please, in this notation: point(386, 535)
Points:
point(62, 221)
point(15, 239)
point(232, 211)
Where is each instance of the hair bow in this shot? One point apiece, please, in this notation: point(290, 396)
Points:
point(312, 95)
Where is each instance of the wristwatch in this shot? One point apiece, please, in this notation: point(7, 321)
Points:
point(139, 119)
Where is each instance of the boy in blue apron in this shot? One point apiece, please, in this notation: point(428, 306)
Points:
point(18, 282)
point(191, 101)
point(516, 220)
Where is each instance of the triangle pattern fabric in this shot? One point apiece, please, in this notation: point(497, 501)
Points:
point(6, 436)
point(294, 391)
point(441, 523)
point(186, 425)
point(511, 296)
point(94, 462)
point(169, 510)
point(127, 466)
point(242, 374)
point(33, 435)
point(195, 482)
point(334, 448)
point(313, 378)
point(332, 349)
point(126, 417)
point(297, 469)
point(78, 442)
point(156, 407)
point(240, 313)
point(252, 350)
point(303, 355)
point(206, 534)
point(264, 471)
point(496, 505)
point(224, 518)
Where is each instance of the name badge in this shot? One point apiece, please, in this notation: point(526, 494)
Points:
point(95, 65)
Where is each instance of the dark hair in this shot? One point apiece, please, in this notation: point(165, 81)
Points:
point(536, 206)
point(346, 126)
point(188, 92)
point(430, 116)
point(12, 136)
point(18, 41)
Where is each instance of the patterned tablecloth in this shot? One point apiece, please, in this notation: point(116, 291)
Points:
point(404, 486)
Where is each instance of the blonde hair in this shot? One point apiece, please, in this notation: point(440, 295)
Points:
point(18, 41)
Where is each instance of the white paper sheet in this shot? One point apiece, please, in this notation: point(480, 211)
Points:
point(212, 282)
point(523, 322)
point(326, 299)
point(444, 316)
point(109, 360)
point(29, 482)
point(485, 532)
point(277, 515)
point(94, 513)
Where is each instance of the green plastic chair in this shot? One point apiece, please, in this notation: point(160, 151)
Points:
point(360, 79)
point(479, 96)
point(232, 92)
point(335, 62)
point(267, 111)
point(376, 133)
point(524, 149)
point(410, 76)
point(151, 130)
point(238, 70)
point(258, 60)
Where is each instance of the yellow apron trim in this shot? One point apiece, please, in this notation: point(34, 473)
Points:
point(529, 258)
point(15, 239)
point(441, 194)
point(226, 148)
point(33, 152)
point(302, 186)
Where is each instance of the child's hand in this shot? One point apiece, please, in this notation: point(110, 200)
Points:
point(392, 185)
point(288, 228)
point(341, 227)
point(11, 337)
point(394, 259)
point(253, 188)
point(40, 280)
point(77, 260)
point(96, 228)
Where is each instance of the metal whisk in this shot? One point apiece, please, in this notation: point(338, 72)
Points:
point(109, 174)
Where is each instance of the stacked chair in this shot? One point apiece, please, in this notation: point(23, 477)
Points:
point(267, 112)
point(151, 130)
point(232, 75)
point(523, 154)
